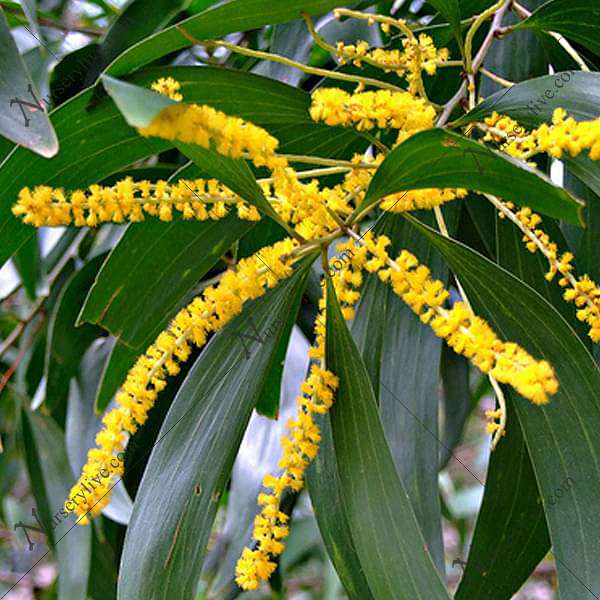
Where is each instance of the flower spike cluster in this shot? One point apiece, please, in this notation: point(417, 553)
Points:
point(148, 377)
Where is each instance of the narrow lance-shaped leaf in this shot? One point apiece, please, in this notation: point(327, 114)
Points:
point(562, 439)
point(438, 158)
point(388, 541)
point(236, 15)
point(192, 458)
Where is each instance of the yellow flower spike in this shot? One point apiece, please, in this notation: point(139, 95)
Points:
point(421, 199)
point(300, 446)
point(230, 136)
point(564, 134)
point(467, 334)
point(167, 86)
point(581, 291)
point(191, 326)
point(367, 110)
point(129, 200)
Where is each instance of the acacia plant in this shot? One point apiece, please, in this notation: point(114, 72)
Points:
point(418, 192)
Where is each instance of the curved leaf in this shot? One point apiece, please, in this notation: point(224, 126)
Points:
point(66, 342)
point(236, 15)
point(385, 531)
point(577, 19)
point(198, 442)
point(438, 158)
point(23, 118)
point(562, 439)
point(532, 102)
point(511, 529)
point(394, 346)
point(50, 477)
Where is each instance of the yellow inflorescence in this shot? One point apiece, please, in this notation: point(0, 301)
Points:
point(417, 55)
point(367, 110)
point(191, 326)
point(582, 291)
point(203, 125)
point(167, 86)
point(129, 200)
point(467, 334)
point(300, 447)
point(421, 199)
point(565, 134)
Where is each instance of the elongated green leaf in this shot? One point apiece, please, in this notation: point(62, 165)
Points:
point(394, 346)
point(456, 399)
point(151, 269)
point(437, 158)
point(82, 423)
point(119, 362)
point(511, 529)
point(563, 442)
point(388, 541)
point(329, 504)
point(202, 430)
point(579, 20)
point(66, 342)
point(533, 102)
point(236, 15)
point(51, 478)
point(259, 454)
point(23, 119)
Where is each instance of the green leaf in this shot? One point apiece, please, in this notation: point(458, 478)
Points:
point(82, 423)
point(384, 528)
point(51, 479)
point(510, 536)
point(27, 262)
point(66, 342)
point(259, 453)
point(203, 428)
point(329, 504)
point(456, 400)
point(236, 15)
point(23, 119)
point(139, 19)
point(438, 158)
point(532, 102)
point(579, 20)
point(562, 440)
point(119, 362)
point(149, 272)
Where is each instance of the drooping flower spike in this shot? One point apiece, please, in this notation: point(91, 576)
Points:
point(465, 333)
point(581, 291)
point(191, 326)
point(564, 134)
